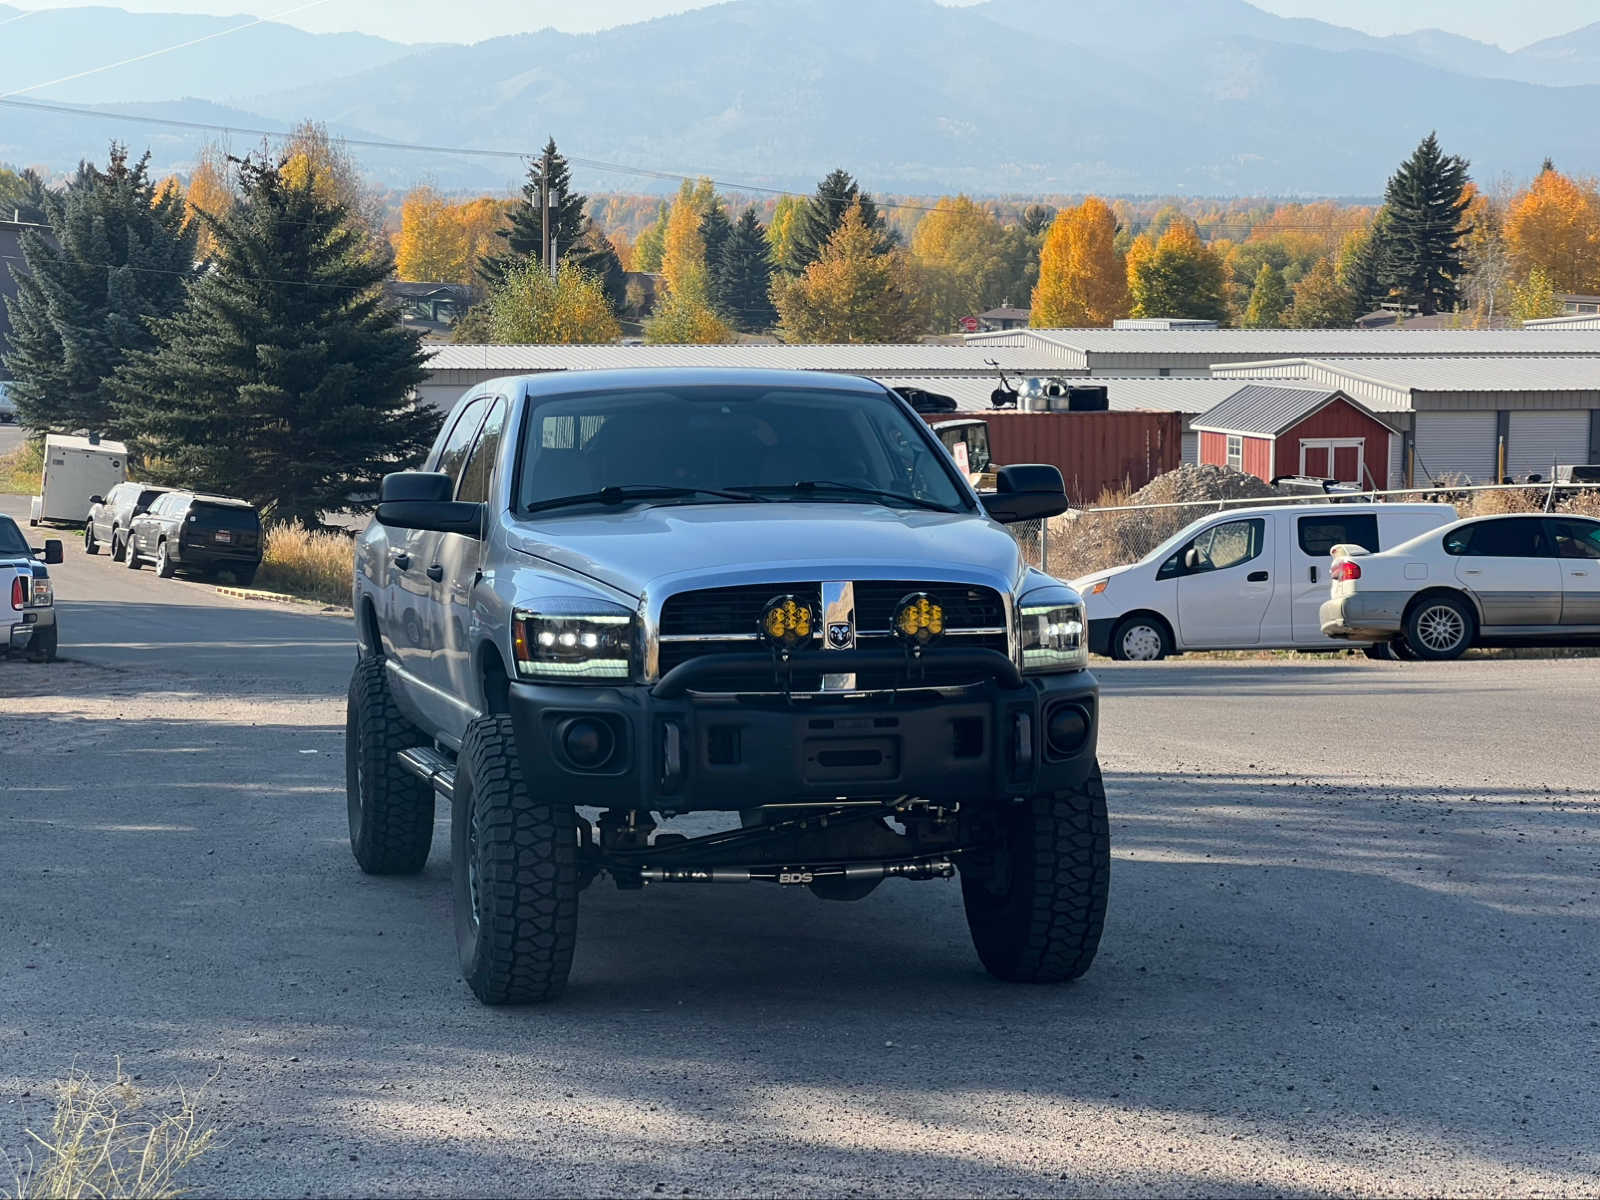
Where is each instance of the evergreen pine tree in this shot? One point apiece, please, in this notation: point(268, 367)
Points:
point(1269, 299)
point(577, 242)
point(118, 255)
point(742, 276)
point(715, 230)
point(823, 215)
point(285, 379)
point(1360, 267)
point(24, 197)
point(1421, 243)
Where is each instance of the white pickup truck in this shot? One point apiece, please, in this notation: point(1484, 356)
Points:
point(25, 584)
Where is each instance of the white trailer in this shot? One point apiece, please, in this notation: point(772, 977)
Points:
point(76, 470)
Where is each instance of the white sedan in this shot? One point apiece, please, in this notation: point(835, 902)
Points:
point(1512, 580)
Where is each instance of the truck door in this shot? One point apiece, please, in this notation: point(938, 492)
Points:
point(1310, 553)
point(1225, 584)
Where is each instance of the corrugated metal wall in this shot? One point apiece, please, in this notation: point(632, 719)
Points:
point(1539, 439)
point(1095, 451)
point(1338, 420)
point(1455, 445)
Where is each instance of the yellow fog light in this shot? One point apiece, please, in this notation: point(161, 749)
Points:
point(787, 621)
point(919, 619)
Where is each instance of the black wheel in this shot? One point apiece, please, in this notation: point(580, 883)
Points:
point(1402, 649)
point(1439, 628)
point(1379, 652)
point(1141, 639)
point(164, 565)
point(514, 865)
point(1036, 899)
point(244, 576)
point(90, 544)
point(391, 810)
point(44, 646)
point(118, 547)
point(130, 554)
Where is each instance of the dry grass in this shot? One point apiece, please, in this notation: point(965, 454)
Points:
point(100, 1144)
point(310, 563)
point(20, 470)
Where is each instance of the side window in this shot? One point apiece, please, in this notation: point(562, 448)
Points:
point(1320, 534)
point(1515, 537)
point(1230, 544)
point(1235, 452)
point(453, 454)
point(1576, 539)
point(479, 471)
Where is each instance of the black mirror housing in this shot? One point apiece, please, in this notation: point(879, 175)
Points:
point(1030, 492)
point(421, 500)
point(97, 499)
point(430, 486)
point(53, 552)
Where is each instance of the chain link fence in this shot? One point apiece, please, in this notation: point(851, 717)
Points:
point(1086, 540)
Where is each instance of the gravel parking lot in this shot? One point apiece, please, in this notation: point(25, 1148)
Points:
point(1352, 948)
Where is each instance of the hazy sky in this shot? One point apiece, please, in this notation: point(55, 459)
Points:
point(1510, 23)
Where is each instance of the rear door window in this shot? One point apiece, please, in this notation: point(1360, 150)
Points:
point(1514, 537)
point(1576, 539)
point(1321, 533)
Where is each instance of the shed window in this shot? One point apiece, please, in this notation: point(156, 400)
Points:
point(1236, 452)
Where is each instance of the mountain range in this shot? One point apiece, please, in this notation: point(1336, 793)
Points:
point(1006, 96)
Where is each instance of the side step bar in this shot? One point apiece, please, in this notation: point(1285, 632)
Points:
point(427, 763)
point(933, 867)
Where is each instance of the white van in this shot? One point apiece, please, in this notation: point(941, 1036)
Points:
point(1250, 578)
point(76, 469)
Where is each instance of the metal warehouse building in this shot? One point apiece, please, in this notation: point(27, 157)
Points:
point(1473, 418)
point(1193, 352)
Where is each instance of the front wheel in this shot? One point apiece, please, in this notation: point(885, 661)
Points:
point(91, 544)
point(1036, 893)
point(1141, 639)
point(1439, 628)
point(44, 646)
point(514, 868)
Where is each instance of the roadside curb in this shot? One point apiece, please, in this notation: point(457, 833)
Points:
point(280, 598)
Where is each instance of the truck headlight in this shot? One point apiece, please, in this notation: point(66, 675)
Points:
point(1052, 632)
point(575, 641)
point(42, 594)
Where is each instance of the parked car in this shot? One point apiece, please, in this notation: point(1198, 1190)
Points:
point(209, 534)
point(768, 594)
point(1502, 581)
point(1250, 578)
point(111, 514)
point(25, 583)
point(75, 469)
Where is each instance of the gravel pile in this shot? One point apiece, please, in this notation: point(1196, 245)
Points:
point(1190, 484)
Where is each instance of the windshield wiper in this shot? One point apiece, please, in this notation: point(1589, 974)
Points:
point(852, 489)
point(639, 491)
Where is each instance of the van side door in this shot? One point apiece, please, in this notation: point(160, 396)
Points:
point(1311, 544)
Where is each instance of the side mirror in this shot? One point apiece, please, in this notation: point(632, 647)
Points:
point(53, 553)
point(97, 499)
point(421, 500)
point(1026, 493)
point(1191, 559)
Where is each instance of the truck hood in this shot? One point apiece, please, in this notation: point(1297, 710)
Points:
point(670, 548)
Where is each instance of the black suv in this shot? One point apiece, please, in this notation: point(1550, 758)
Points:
point(198, 533)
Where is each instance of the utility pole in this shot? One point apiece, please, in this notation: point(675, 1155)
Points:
point(544, 206)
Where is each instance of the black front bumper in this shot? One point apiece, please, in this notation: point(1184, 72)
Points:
point(677, 750)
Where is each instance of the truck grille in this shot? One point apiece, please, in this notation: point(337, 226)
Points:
point(727, 620)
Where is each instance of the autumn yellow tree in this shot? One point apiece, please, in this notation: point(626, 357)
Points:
point(480, 221)
point(1535, 297)
point(855, 292)
point(311, 154)
point(959, 250)
point(432, 243)
point(685, 315)
point(209, 193)
point(677, 321)
point(1083, 281)
point(1555, 226)
point(528, 306)
point(781, 229)
point(1177, 275)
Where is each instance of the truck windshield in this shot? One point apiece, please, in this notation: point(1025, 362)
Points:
point(715, 445)
point(12, 543)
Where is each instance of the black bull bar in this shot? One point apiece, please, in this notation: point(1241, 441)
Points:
point(770, 668)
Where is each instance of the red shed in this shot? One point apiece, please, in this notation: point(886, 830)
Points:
point(1274, 431)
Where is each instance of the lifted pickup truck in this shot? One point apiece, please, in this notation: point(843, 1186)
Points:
point(766, 594)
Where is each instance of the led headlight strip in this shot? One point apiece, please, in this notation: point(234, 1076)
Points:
point(574, 646)
point(1052, 632)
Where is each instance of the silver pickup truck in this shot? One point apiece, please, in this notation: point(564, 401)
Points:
point(764, 594)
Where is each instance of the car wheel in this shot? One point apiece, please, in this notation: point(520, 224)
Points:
point(118, 547)
point(1439, 628)
point(390, 809)
point(44, 646)
point(164, 566)
point(514, 870)
point(130, 554)
point(1402, 649)
point(1141, 639)
point(90, 545)
point(1036, 892)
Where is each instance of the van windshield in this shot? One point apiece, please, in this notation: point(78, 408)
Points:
point(724, 444)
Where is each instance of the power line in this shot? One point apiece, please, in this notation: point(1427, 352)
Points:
point(33, 87)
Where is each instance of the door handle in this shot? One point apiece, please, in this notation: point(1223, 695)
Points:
point(1256, 577)
point(1577, 574)
point(1471, 571)
point(435, 572)
point(1313, 573)
point(401, 560)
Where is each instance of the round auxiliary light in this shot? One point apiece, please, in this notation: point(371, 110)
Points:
point(918, 619)
point(787, 621)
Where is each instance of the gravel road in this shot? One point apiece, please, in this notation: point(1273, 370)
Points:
point(1352, 947)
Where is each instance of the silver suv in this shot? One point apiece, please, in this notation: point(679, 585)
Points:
point(765, 594)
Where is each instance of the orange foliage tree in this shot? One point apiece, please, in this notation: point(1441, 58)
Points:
point(1082, 278)
point(1555, 226)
